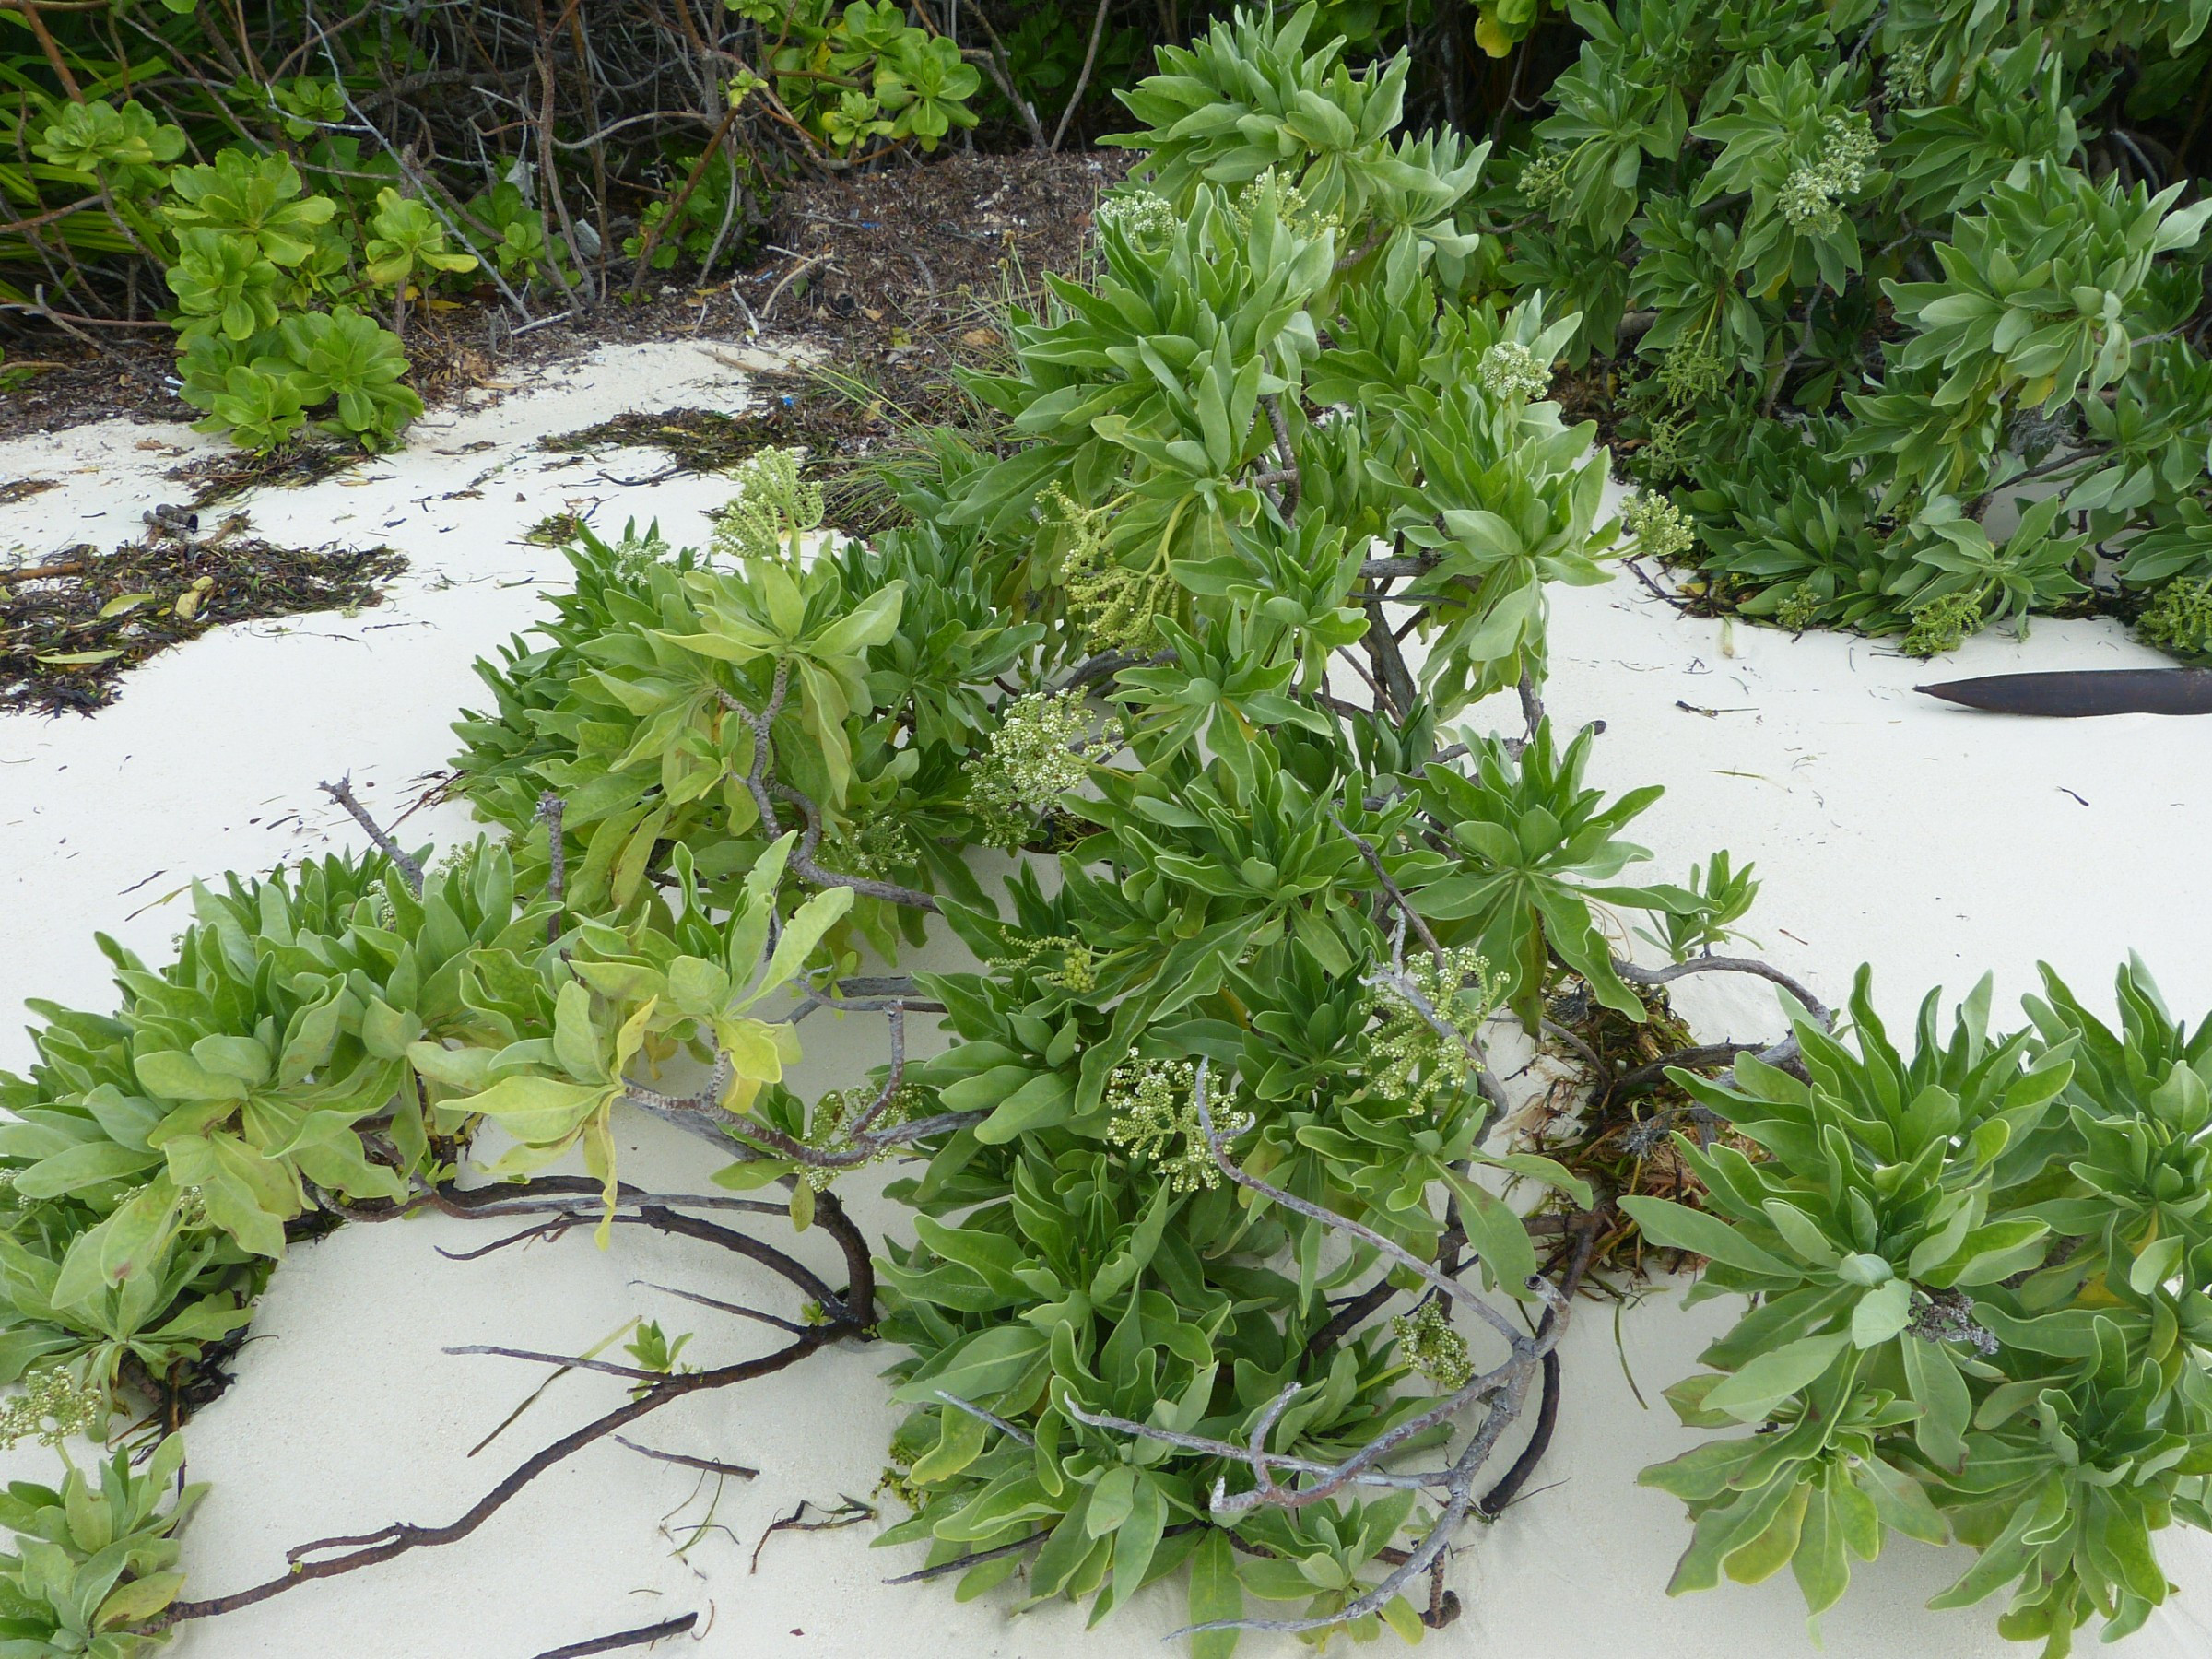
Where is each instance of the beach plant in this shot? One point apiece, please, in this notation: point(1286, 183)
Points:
point(1978, 1298)
point(1867, 282)
point(1220, 1249)
point(94, 1563)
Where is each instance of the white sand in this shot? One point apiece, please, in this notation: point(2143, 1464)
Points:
point(1932, 842)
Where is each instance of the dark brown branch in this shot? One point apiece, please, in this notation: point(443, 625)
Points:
point(682, 199)
point(643, 1636)
point(40, 33)
point(737, 1309)
point(371, 1549)
point(1350, 1316)
point(860, 1261)
point(752, 1249)
point(995, 65)
point(1689, 1059)
point(1508, 1486)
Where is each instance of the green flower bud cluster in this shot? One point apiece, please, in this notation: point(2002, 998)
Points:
point(776, 504)
point(1664, 452)
point(1692, 370)
point(877, 846)
point(1544, 180)
point(898, 1484)
point(1908, 73)
point(1811, 200)
point(55, 1406)
point(1077, 971)
point(1112, 607)
point(2180, 619)
point(1943, 624)
point(826, 1125)
point(1433, 1348)
point(1155, 1104)
point(1799, 609)
point(1039, 753)
point(1660, 527)
point(1509, 370)
point(1411, 1062)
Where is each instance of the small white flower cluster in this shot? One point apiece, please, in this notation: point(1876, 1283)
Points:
point(54, 1406)
point(774, 505)
point(1509, 370)
point(1811, 200)
point(1038, 754)
point(1909, 73)
point(1141, 216)
point(1659, 526)
point(1154, 1104)
point(1290, 206)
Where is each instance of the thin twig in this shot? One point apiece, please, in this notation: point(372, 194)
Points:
point(408, 866)
point(1374, 862)
point(1097, 29)
point(850, 1511)
point(738, 1471)
point(1217, 1143)
point(766, 790)
point(1018, 1436)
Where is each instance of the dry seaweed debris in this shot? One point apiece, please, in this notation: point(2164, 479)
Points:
point(70, 629)
point(699, 441)
point(229, 472)
point(22, 489)
point(839, 420)
point(1615, 1126)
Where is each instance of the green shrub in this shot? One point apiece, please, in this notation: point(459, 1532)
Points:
point(1981, 1270)
point(1892, 273)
